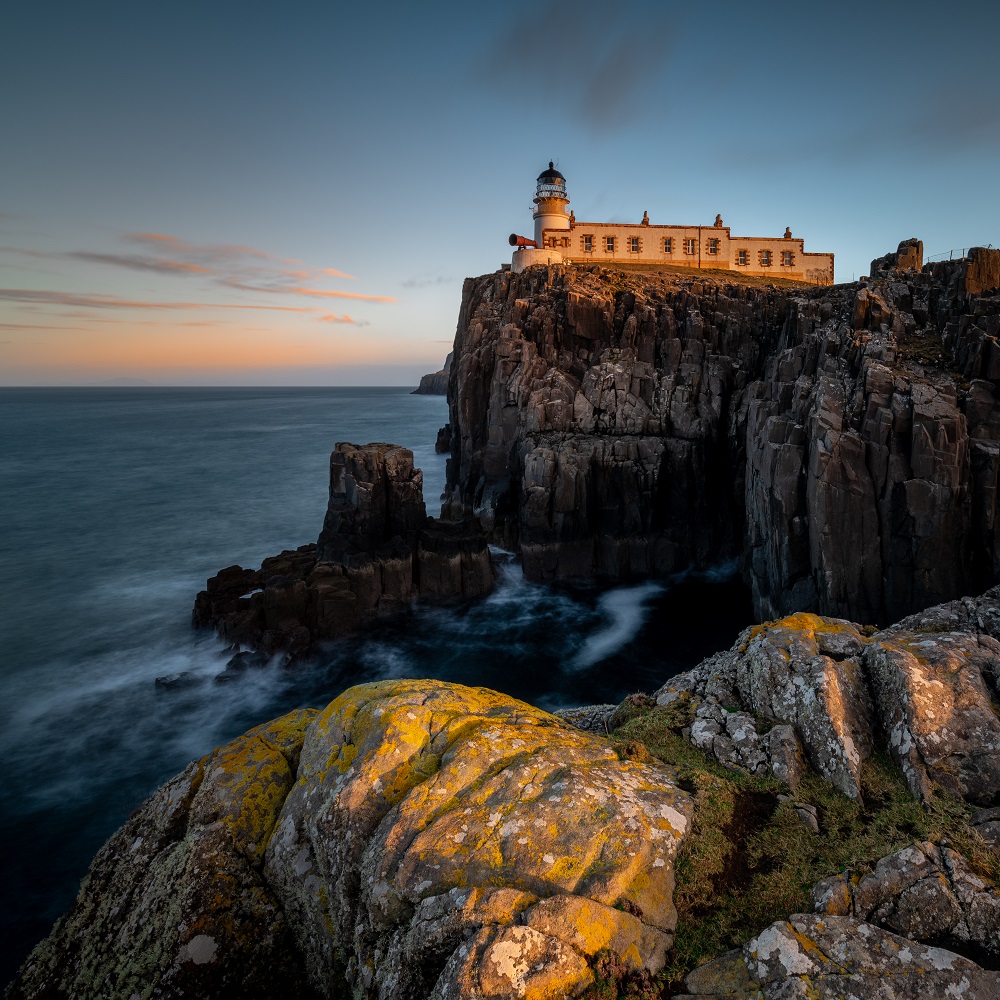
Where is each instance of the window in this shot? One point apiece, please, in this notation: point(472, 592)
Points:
point(668, 245)
point(691, 246)
point(609, 244)
point(633, 244)
point(765, 258)
point(786, 258)
point(713, 246)
point(741, 258)
point(588, 244)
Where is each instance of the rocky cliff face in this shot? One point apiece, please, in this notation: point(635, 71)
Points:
point(377, 552)
point(843, 442)
point(435, 384)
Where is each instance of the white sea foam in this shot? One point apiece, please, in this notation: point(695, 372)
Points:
point(624, 611)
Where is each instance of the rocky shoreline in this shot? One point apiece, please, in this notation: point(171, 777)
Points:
point(813, 812)
point(798, 803)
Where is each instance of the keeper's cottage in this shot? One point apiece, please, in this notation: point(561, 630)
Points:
point(559, 238)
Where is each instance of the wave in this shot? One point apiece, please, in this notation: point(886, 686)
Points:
point(624, 611)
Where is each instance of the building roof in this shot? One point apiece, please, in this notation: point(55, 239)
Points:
point(550, 175)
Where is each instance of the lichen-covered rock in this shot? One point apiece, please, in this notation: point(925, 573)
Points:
point(176, 904)
point(411, 791)
point(839, 958)
point(936, 706)
point(414, 839)
point(925, 689)
point(926, 892)
point(805, 671)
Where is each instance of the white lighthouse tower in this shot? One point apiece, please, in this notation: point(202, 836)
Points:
point(550, 203)
point(549, 214)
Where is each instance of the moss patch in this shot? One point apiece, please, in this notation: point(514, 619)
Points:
point(749, 860)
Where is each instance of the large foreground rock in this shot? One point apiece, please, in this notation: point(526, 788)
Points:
point(377, 552)
point(414, 839)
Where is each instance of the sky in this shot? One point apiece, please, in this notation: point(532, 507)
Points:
point(264, 193)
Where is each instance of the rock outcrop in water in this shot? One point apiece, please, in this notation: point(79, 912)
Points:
point(377, 552)
point(843, 442)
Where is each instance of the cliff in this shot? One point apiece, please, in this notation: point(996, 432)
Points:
point(435, 384)
point(842, 442)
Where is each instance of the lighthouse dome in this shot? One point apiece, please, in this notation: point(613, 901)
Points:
point(551, 185)
point(550, 175)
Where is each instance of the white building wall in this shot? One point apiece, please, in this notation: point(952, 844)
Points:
point(816, 267)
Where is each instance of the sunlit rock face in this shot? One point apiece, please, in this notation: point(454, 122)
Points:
point(414, 839)
point(926, 690)
point(845, 441)
point(832, 957)
point(451, 841)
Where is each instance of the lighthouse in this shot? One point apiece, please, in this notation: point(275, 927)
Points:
point(550, 217)
point(550, 203)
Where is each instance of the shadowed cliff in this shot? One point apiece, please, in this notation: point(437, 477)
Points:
point(842, 442)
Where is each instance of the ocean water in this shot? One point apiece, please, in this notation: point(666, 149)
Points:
point(118, 504)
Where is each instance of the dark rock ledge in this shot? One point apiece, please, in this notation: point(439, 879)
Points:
point(378, 551)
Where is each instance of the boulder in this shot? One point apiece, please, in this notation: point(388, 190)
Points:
point(834, 957)
point(414, 839)
point(176, 902)
point(926, 690)
point(926, 892)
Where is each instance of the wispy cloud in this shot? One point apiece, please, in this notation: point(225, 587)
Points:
point(97, 301)
point(137, 262)
point(36, 326)
point(321, 293)
point(622, 51)
point(227, 265)
point(308, 274)
point(208, 253)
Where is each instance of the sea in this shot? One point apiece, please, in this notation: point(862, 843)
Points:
point(116, 505)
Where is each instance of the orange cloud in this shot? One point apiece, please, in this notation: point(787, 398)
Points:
point(320, 293)
point(334, 318)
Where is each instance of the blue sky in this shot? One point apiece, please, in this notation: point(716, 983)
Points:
point(263, 193)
